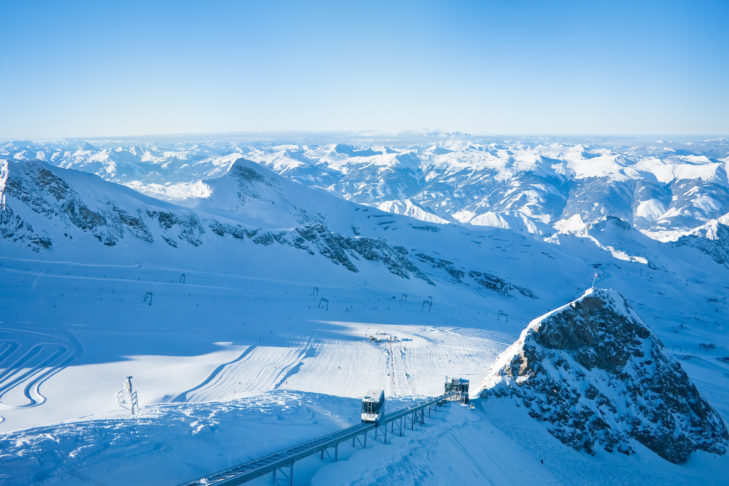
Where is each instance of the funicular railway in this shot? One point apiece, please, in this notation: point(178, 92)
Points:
point(282, 462)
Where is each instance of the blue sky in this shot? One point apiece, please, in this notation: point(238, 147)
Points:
point(82, 69)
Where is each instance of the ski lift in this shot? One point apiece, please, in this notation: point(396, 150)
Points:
point(427, 302)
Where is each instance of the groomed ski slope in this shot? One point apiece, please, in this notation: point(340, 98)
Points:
point(91, 325)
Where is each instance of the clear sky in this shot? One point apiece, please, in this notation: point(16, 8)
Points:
point(97, 68)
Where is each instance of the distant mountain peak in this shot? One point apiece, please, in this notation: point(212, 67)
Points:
point(245, 168)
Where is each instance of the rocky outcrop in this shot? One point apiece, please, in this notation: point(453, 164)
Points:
point(597, 375)
point(35, 186)
point(480, 279)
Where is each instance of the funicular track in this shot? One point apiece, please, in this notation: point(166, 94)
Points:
point(284, 460)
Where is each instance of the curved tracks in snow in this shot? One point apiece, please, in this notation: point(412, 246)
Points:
point(27, 360)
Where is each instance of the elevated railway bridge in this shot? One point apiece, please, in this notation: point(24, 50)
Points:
point(282, 462)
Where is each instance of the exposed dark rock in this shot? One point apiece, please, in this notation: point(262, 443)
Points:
point(597, 375)
point(134, 224)
point(12, 227)
point(263, 239)
point(35, 185)
point(341, 249)
point(246, 173)
point(170, 242)
point(433, 229)
point(447, 265)
point(248, 176)
point(188, 226)
point(55, 186)
point(482, 279)
point(236, 231)
point(81, 216)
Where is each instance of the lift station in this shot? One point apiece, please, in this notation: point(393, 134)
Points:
point(456, 389)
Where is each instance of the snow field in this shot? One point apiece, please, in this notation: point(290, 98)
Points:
point(242, 337)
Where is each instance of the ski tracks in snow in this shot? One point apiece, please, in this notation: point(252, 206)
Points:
point(256, 370)
point(214, 379)
point(397, 369)
point(28, 359)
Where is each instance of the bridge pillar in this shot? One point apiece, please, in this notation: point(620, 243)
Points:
point(290, 475)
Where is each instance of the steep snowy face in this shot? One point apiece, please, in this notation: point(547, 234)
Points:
point(595, 373)
point(711, 238)
point(43, 204)
point(252, 194)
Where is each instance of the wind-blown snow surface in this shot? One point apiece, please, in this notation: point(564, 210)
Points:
point(259, 293)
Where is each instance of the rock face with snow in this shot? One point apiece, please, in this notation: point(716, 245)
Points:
point(711, 238)
point(43, 207)
point(41, 203)
point(595, 373)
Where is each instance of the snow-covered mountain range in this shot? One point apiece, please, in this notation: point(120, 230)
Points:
point(304, 270)
point(663, 188)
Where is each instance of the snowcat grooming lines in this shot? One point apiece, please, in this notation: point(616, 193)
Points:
point(373, 406)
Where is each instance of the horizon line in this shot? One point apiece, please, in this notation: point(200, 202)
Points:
point(370, 133)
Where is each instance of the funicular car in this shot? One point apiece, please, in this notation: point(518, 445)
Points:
point(373, 406)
